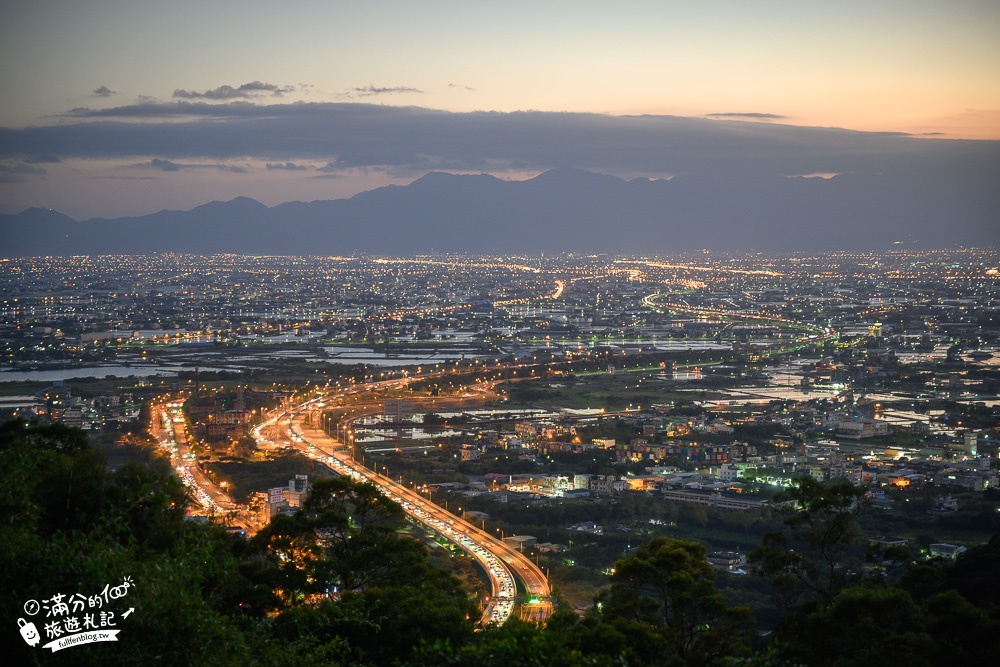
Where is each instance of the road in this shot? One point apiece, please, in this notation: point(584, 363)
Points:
point(509, 571)
point(170, 428)
point(517, 584)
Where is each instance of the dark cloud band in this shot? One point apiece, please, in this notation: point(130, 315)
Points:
point(169, 165)
point(368, 91)
point(413, 140)
point(749, 116)
point(247, 90)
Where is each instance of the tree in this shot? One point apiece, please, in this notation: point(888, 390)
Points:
point(863, 625)
point(69, 525)
point(667, 586)
point(515, 644)
point(344, 539)
point(245, 446)
point(963, 634)
point(820, 550)
point(345, 572)
point(976, 575)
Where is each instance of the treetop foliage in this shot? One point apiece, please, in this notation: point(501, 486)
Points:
point(339, 583)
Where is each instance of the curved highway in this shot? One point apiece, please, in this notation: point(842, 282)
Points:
point(507, 569)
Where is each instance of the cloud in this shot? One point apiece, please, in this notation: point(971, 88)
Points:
point(122, 178)
point(18, 172)
point(402, 140)
point(162, 165)
point(286, 166)
point(149, 107)
point(369, 90)
point(169, 165)
point(825, 176)
point(461, 86)
point(104, 91)
point(247, 90)
point(749, 116)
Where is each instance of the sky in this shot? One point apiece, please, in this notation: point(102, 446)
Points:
point(124, 108)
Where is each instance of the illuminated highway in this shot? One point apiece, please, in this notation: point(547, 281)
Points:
point(169, 427)
point(662, 301)
point(513, 577)
point(505, 566)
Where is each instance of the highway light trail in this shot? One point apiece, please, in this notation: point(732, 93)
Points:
point(504, 566)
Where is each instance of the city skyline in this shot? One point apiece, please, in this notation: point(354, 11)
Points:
point(324, 101)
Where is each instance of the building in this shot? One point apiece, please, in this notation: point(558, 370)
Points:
point(719, 427)
point(729, 473)
point(605, 485)
point(716, 499)
point(231, 423)
point(527, 430)
point(520, 542)
point(72, 417)
point(862, 428)
point(643, 482)
point(640, 450)
point(298, 490)
point(970, 441)
point(398, 410)
point(276, 501)
point(574, 447)
point(943, 550)
point(587, 527)
point(945, 505)
point(519, 498)
point(554, 431)
point(886, 542)
point(727, 561)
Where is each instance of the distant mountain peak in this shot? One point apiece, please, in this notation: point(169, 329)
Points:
point(246, 200)
point(561, 210)
point(573, 175)
point(435, 177)
point(37, 213)
point(238, 202)
point(568, 171)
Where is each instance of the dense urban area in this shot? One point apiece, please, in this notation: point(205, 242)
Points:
point(577, 459)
